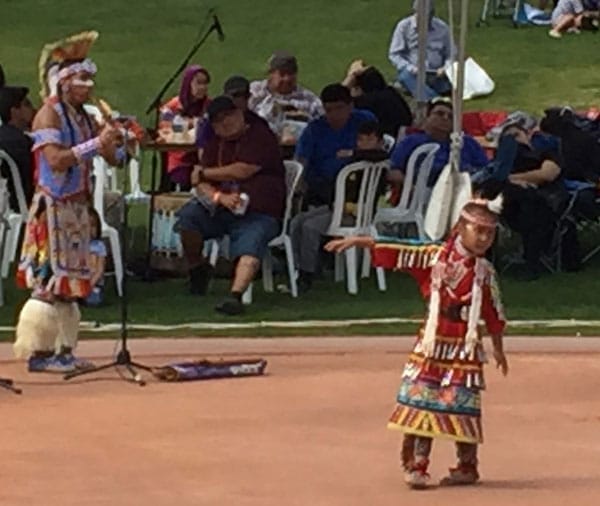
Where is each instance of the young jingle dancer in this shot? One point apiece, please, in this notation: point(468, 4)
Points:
point(440, 391)
point(55, 260)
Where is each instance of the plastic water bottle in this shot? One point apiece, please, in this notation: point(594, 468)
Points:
point(241, 209)
point(178, 126)
point(278, 118)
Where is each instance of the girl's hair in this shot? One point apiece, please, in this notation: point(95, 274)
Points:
point(95, 218)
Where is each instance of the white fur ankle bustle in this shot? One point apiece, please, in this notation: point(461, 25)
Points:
point(68, 324)
point(37, 328)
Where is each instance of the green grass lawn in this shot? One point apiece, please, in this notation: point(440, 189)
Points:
point(560, 296)
point(141, 42)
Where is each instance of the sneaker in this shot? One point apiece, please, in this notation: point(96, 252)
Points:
point(38, 364)
point(200, 277)
point(461, 475)
point(417, 479)
point(230, 306)
point(554, 34)
point(79, 363)
point(574, 30)
point(61, 364)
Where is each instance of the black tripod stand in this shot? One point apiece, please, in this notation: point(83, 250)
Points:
point(155, 107)
point(9, 385)
point(123, 358)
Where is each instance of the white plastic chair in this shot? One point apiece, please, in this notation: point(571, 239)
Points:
point(15, 218)
point(4, 196)
point(293, 172)
point(135, 190)
point(371, 173)
point(413, 200)
point(111, 182)
point(108, 232)
point(110, 179)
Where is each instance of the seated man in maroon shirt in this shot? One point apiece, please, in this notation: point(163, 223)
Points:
point(241, 194)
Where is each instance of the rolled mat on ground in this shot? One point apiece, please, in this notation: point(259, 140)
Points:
point(210, 369)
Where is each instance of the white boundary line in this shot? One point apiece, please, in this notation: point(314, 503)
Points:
point(97, 327)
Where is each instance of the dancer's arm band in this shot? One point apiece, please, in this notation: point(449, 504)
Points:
point(46, 136)
point(86, 150)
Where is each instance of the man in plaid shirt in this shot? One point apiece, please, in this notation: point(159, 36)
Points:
point(279, 96)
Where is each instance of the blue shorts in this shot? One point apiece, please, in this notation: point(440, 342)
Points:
point(248, 234)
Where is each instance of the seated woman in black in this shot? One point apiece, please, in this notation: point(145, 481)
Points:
point(534, 198)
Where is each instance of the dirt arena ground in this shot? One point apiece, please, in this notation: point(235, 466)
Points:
point(312, 432)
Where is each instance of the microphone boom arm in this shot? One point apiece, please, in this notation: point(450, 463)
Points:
point(215, 27)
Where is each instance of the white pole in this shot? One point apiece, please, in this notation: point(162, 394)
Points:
point(422, 30)
point(459, 81)
point(460, 73)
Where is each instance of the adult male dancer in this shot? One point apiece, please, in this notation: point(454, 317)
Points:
point(55, 256)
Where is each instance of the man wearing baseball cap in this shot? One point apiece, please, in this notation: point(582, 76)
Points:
point(240, 193)
point(237, 88)
point(280, 93)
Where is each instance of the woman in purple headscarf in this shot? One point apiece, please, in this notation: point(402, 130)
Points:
point(191, 104)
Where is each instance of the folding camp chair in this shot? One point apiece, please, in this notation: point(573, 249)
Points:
point(499, 8)
point(495, 8)
point(569, 220)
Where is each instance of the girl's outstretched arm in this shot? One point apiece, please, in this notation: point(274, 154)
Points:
point(342, 244)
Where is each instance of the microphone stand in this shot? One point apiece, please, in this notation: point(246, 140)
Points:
point(123, 358)
point(155, 106)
